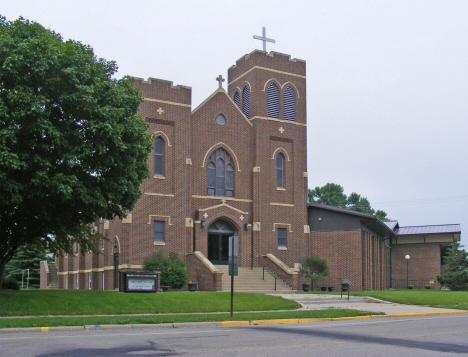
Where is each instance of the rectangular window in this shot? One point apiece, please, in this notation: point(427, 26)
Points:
point(89, 281)
point(77, 282)
point(159, 231)
point(103, 282)
point(281, 237)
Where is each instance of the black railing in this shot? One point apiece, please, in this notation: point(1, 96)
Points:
point(267, 269)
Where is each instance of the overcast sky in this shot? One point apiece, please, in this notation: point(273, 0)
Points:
point(387, 81)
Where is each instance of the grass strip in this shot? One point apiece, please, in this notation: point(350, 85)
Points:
point(92, 302)
point(435, 298)
point(155, 319)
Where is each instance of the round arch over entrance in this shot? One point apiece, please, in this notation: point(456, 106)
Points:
point(218, 242)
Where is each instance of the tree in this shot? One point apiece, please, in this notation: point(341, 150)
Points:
point(72, 147)
point(314, 268)
point(172, 268)
point(333, 195)
point(26, 258)
point(455, 272)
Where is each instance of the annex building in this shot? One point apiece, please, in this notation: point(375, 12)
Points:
point(234, 165)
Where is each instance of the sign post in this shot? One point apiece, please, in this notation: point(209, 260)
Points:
point(233, 264)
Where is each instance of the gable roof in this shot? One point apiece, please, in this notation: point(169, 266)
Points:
point(222, 91)
point(392, 224)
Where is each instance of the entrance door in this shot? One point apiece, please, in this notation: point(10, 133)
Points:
point(218, 242)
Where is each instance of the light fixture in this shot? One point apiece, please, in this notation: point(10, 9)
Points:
point(202, 223)
point(407, 256)
point(246, 226)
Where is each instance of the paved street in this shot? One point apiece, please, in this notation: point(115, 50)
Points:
point(417, 336)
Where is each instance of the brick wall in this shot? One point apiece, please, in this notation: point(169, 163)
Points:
point(423, 265)
point(200, 272)
point(179, 198)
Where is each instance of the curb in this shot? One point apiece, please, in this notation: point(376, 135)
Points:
point(219, 323)
point(297, 321)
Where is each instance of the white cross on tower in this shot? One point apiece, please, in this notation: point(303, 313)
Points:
point(264, 38)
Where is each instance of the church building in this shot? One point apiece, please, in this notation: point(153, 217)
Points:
point(236, 165)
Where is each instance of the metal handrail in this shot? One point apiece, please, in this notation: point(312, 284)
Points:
point(267, 269)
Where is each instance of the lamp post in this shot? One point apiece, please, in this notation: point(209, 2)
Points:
point(407, 257)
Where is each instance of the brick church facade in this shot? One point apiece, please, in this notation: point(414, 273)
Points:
point(235, 165)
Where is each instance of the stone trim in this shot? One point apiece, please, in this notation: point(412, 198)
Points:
point(223, 198)
point(158, 194)
point(278, 120)
point(266, 69)
point(166, 102)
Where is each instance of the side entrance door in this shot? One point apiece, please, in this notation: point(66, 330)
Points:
point(218, 242)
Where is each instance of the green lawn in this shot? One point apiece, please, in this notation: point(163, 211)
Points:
point(435, 298)
point(92, 302)
point(156, 319)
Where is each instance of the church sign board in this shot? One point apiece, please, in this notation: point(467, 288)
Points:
point(141, 282)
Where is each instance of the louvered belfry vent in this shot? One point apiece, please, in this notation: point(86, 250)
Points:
point(273, 101)
point(289, 104)
point(237, 99)
point(245, 101)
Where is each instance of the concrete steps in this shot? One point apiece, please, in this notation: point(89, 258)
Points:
point(251, 280)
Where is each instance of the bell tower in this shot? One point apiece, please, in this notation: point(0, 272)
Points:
point(270, 89)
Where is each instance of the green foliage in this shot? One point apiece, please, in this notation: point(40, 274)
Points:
point(410, 287)
point(26, 258)
point(333, 195)
point(314, 268)
point(72, 147)
point(427, 287)
point(454, 274)
point(172, 268)
point(11, 284)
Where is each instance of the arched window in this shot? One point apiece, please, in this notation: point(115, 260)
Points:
point(289, 104)
point(280, 170)
point(237, 99)
point(220, 174)
point(159, 157)
point(273, 101)
point(246, 101)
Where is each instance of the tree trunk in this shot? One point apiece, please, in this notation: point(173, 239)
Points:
point(2, 273)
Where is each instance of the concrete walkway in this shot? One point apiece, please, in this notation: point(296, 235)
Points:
point(320, 302)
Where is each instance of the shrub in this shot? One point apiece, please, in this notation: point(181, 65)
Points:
point(314, 268)
point(427, 287)
point(410, 287)
point(172, 268)
point(11, 284)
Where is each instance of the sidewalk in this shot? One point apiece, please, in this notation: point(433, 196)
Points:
point(320, 302)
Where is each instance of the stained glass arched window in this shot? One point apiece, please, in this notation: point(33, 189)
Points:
point(220, 174)
point(280, 170)
point(159, 157)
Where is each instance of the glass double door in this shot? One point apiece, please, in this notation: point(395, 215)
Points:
point(218, 248)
